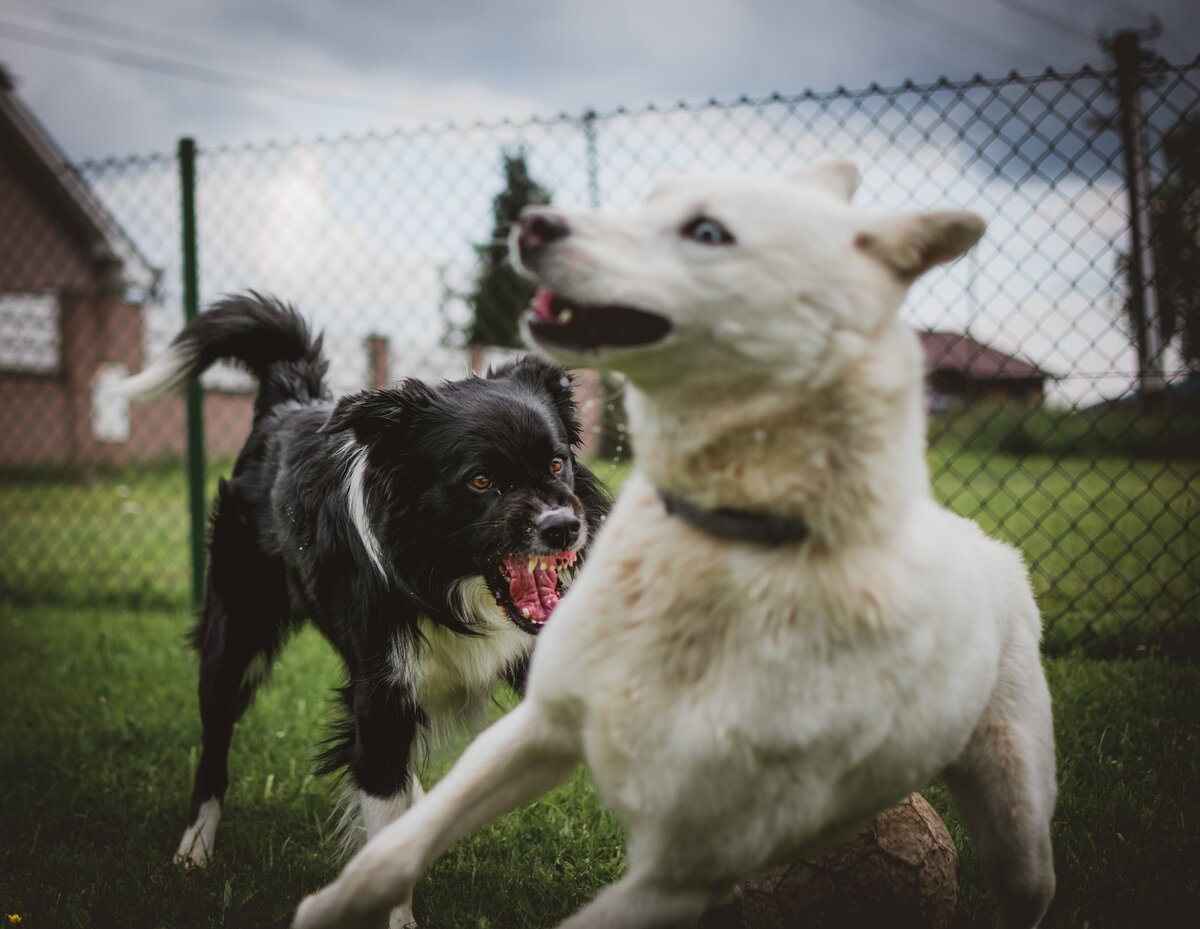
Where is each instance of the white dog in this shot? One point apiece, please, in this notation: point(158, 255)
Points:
point(779, 633)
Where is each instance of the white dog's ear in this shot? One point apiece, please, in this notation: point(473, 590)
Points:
point(840, 178)
point(914, 243)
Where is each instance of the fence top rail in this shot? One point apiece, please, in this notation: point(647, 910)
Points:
point(1159, 67)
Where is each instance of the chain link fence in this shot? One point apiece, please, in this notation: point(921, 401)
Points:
point(1063, 394)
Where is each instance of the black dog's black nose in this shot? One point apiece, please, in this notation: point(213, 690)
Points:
point(559, 530)
point(539, 227)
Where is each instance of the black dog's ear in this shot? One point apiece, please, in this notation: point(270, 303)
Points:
point(557, 383)
point(371, 413)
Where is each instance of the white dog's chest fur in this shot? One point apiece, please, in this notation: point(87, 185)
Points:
point(772, 669)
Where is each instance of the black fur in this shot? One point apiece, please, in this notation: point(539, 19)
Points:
point(285, 548)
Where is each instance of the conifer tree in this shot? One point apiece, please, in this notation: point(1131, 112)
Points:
point(499, 295)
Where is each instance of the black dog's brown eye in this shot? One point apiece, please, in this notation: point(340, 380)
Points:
point(556, 465)
point(707, 232)
point(481, 482)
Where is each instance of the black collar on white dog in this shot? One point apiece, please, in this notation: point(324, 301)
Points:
point(735, 525)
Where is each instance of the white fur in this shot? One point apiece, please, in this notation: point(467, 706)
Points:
point(356, 504)
point(199, 839)
point(377, 813)
point(453, 679)
point(166, 374)
point(454, 676)
point(740, 705)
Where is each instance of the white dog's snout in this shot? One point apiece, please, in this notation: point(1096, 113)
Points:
point(537, 228)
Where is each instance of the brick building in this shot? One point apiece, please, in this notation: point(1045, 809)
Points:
point(73, 290)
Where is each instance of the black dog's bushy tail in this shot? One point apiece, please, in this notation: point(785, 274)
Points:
point(264, 335)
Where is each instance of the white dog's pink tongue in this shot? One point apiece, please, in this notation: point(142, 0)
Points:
point(534, 592)
point(542, 304)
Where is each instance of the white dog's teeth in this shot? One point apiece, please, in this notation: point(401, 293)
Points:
point(564, 316)
point(532, 562)
point(525, 613)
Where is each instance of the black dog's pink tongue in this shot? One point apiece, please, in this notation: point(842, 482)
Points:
point(534, 591)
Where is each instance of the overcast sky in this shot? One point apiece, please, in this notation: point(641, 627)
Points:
point(122, 76)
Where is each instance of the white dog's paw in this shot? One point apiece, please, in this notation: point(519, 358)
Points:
point(342, 906)
point(406, 921)
point(402, 917)
point(327, 909)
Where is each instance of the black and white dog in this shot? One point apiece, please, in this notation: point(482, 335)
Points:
point(427, 531)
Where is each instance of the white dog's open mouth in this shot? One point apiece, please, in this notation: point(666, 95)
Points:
point(557, 321)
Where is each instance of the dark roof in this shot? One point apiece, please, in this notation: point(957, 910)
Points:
point(112, 244)
point(958, 352)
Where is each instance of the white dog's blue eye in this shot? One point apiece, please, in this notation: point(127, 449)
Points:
point(707, 232)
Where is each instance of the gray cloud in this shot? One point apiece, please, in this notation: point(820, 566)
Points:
point(384, 63)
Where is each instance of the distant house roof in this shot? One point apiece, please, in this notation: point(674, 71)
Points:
point(112, 248)
point(958, 352)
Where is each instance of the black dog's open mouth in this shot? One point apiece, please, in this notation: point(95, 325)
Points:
point(554, 320)
point(529, 586)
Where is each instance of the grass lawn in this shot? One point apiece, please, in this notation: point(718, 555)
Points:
point(100, 733)
point(1112, 543)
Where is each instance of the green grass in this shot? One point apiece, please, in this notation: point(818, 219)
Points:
point(99, 732)
point(1111, 542)
point(118, 538)
point(99, 736)
point(1127, 825)
point(1115, 430)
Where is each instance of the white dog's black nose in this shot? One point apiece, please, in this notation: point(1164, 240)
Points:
point(538, 228)
point(559, 529)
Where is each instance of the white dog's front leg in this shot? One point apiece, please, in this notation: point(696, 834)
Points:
point(637, 902)
point(1004, 787)
point(516, 760)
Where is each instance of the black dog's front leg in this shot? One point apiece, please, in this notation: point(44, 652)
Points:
point(387, 725)
point(516, 675)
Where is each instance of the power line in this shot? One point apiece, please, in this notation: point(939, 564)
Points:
point(86, 22)
point(174, 67)
point(944, 24)
point(1059, 25)
point(1119, 7)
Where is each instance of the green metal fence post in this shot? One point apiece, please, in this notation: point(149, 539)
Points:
point(195, 393)
point(593, 160)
